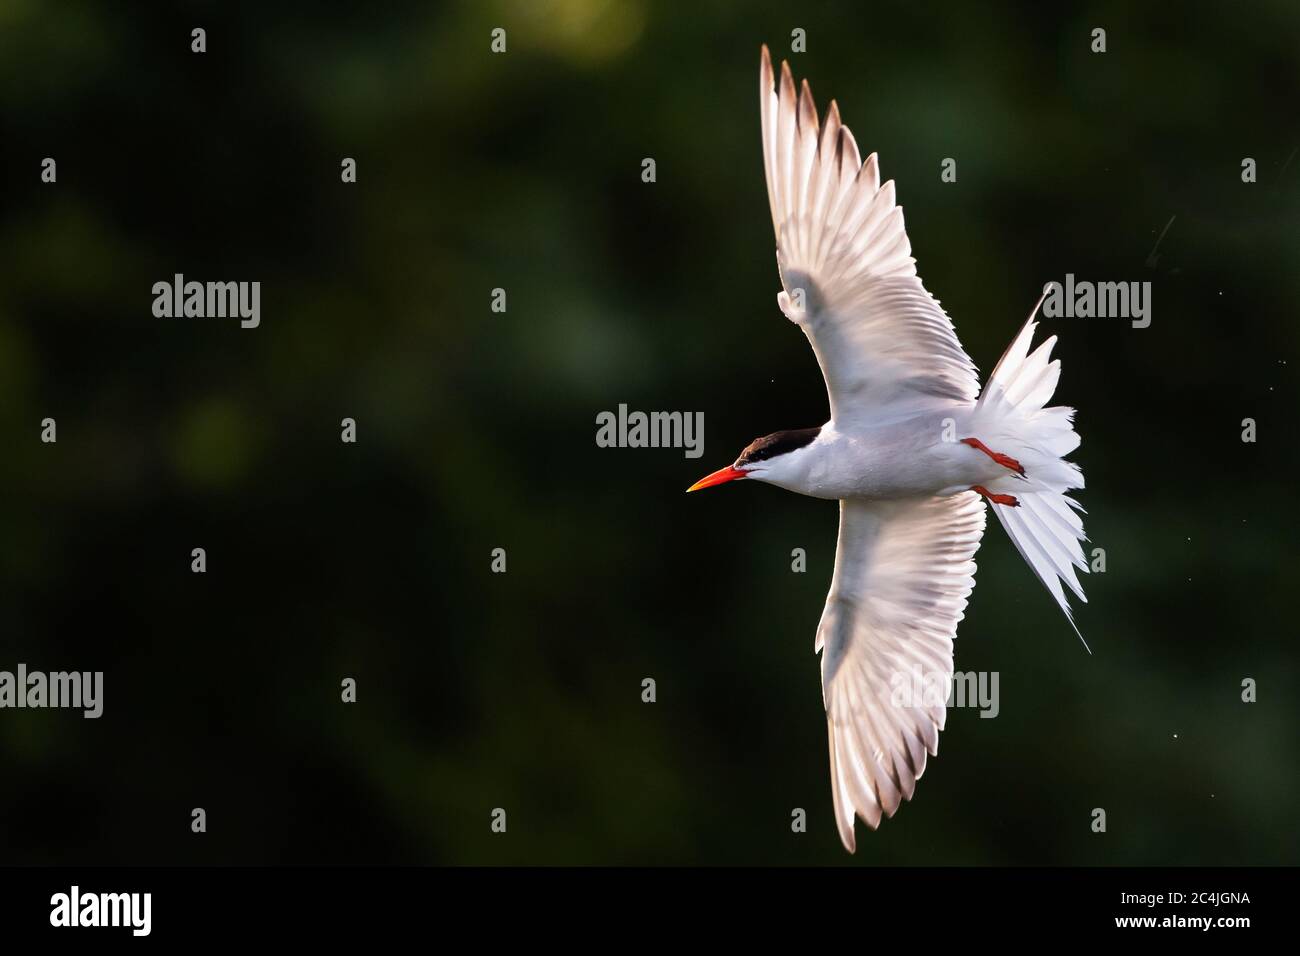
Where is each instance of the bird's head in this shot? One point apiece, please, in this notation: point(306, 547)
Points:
point(766, 458)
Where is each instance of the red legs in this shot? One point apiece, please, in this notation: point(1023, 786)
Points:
point(1006, 461)
point(1009, 500)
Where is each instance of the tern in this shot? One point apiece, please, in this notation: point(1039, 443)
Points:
point(913, 452)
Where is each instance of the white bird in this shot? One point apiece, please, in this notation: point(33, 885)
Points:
point(912, 452)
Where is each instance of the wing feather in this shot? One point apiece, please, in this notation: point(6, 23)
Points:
point(903, 572)
point(847, 272)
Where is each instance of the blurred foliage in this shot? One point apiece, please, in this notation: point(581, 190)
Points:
point(476, 430)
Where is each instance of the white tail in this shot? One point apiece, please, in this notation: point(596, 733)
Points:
point(1046, 528)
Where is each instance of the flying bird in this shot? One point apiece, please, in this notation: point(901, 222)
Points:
point(913, 452)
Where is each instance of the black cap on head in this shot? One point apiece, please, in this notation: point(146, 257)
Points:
point(777, 443)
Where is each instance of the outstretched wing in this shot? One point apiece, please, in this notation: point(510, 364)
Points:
point(903, 571)
point(846, 264)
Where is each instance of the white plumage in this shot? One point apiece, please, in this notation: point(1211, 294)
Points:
point(911, 451)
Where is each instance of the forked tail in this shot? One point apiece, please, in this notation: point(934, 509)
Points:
point(1046, 528)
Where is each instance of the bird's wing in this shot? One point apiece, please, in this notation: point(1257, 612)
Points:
point(903, 571)
point(846, 265)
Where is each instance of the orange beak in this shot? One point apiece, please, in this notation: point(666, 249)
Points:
point(717, 478)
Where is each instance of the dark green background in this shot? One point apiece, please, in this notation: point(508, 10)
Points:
point(477, 430)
